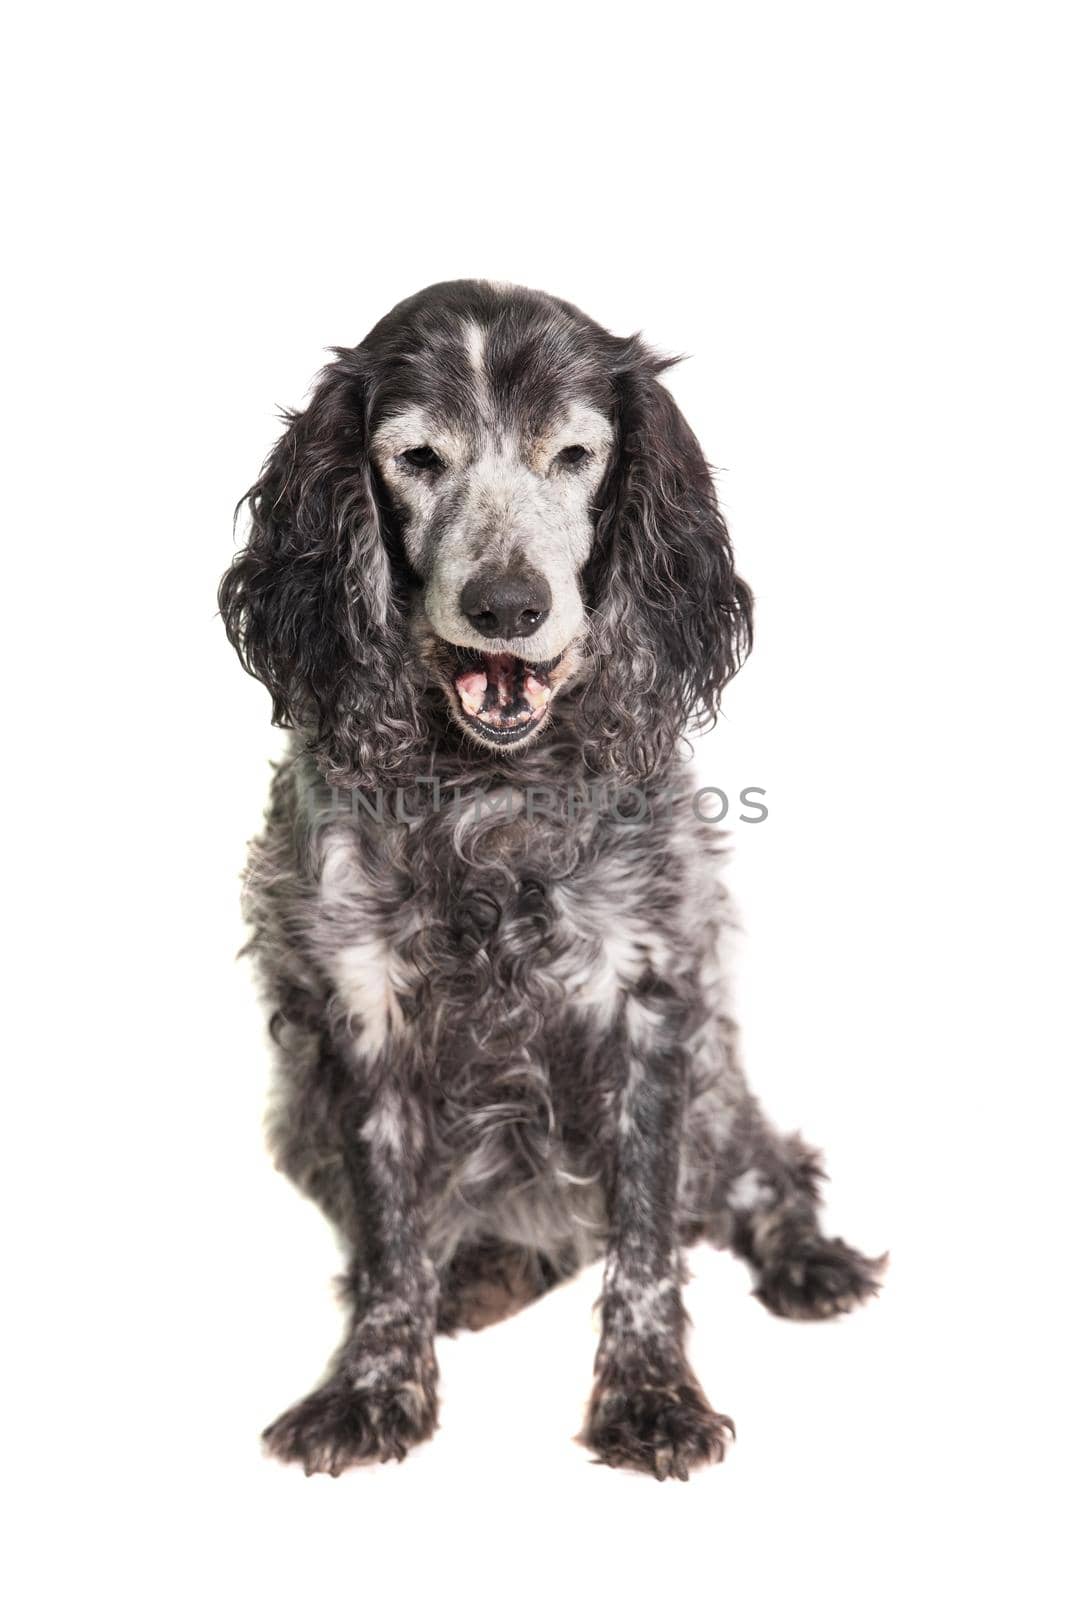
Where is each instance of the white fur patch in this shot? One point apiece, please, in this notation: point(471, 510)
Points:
point(615, 951)
point(750, 1192)
point(368, 976)
point(647, 1302)
point(365, 979)
point(475, 340)
point(384, 1127)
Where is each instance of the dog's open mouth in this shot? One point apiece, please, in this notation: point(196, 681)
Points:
point(503, 697)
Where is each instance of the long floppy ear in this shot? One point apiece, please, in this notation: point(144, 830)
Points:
point(672, 622)
point(310, 603)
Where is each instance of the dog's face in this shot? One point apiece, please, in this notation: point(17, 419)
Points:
point(491, 468)
point(494, 487)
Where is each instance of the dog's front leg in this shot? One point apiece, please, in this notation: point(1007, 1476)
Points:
point(380, 1396)
point(647, 1409)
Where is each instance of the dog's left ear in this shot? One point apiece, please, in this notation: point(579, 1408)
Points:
point(672, 621)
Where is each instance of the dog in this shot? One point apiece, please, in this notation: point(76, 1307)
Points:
point(489, 588)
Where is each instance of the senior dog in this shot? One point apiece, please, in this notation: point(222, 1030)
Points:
point(487, 584)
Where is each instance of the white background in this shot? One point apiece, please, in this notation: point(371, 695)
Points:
point(850, 217)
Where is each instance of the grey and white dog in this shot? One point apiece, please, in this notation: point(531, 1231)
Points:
point(488, 586)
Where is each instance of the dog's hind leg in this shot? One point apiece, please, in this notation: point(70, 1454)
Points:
point(756, 1191)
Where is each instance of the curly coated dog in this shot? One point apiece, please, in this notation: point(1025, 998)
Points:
point(488, 586)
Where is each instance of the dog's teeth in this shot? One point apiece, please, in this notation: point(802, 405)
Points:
point(471, 689)
point(537, 693)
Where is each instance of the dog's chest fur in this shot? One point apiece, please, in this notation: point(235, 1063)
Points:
point(470, 931)
point(505, 961)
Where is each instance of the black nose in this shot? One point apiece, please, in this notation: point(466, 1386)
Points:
point(506, 605)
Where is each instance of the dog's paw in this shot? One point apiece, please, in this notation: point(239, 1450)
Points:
point(819, 1277)
point(665, 1430)
point(339, 1425)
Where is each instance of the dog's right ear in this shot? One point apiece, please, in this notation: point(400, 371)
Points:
point(309, 603)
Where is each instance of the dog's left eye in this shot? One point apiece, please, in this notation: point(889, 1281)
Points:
point(572, 456)
point(423, 459)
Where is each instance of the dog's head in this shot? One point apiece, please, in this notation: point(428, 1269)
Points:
point(494, 501)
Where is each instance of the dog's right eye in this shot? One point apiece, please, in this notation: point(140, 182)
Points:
point(423, 459)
